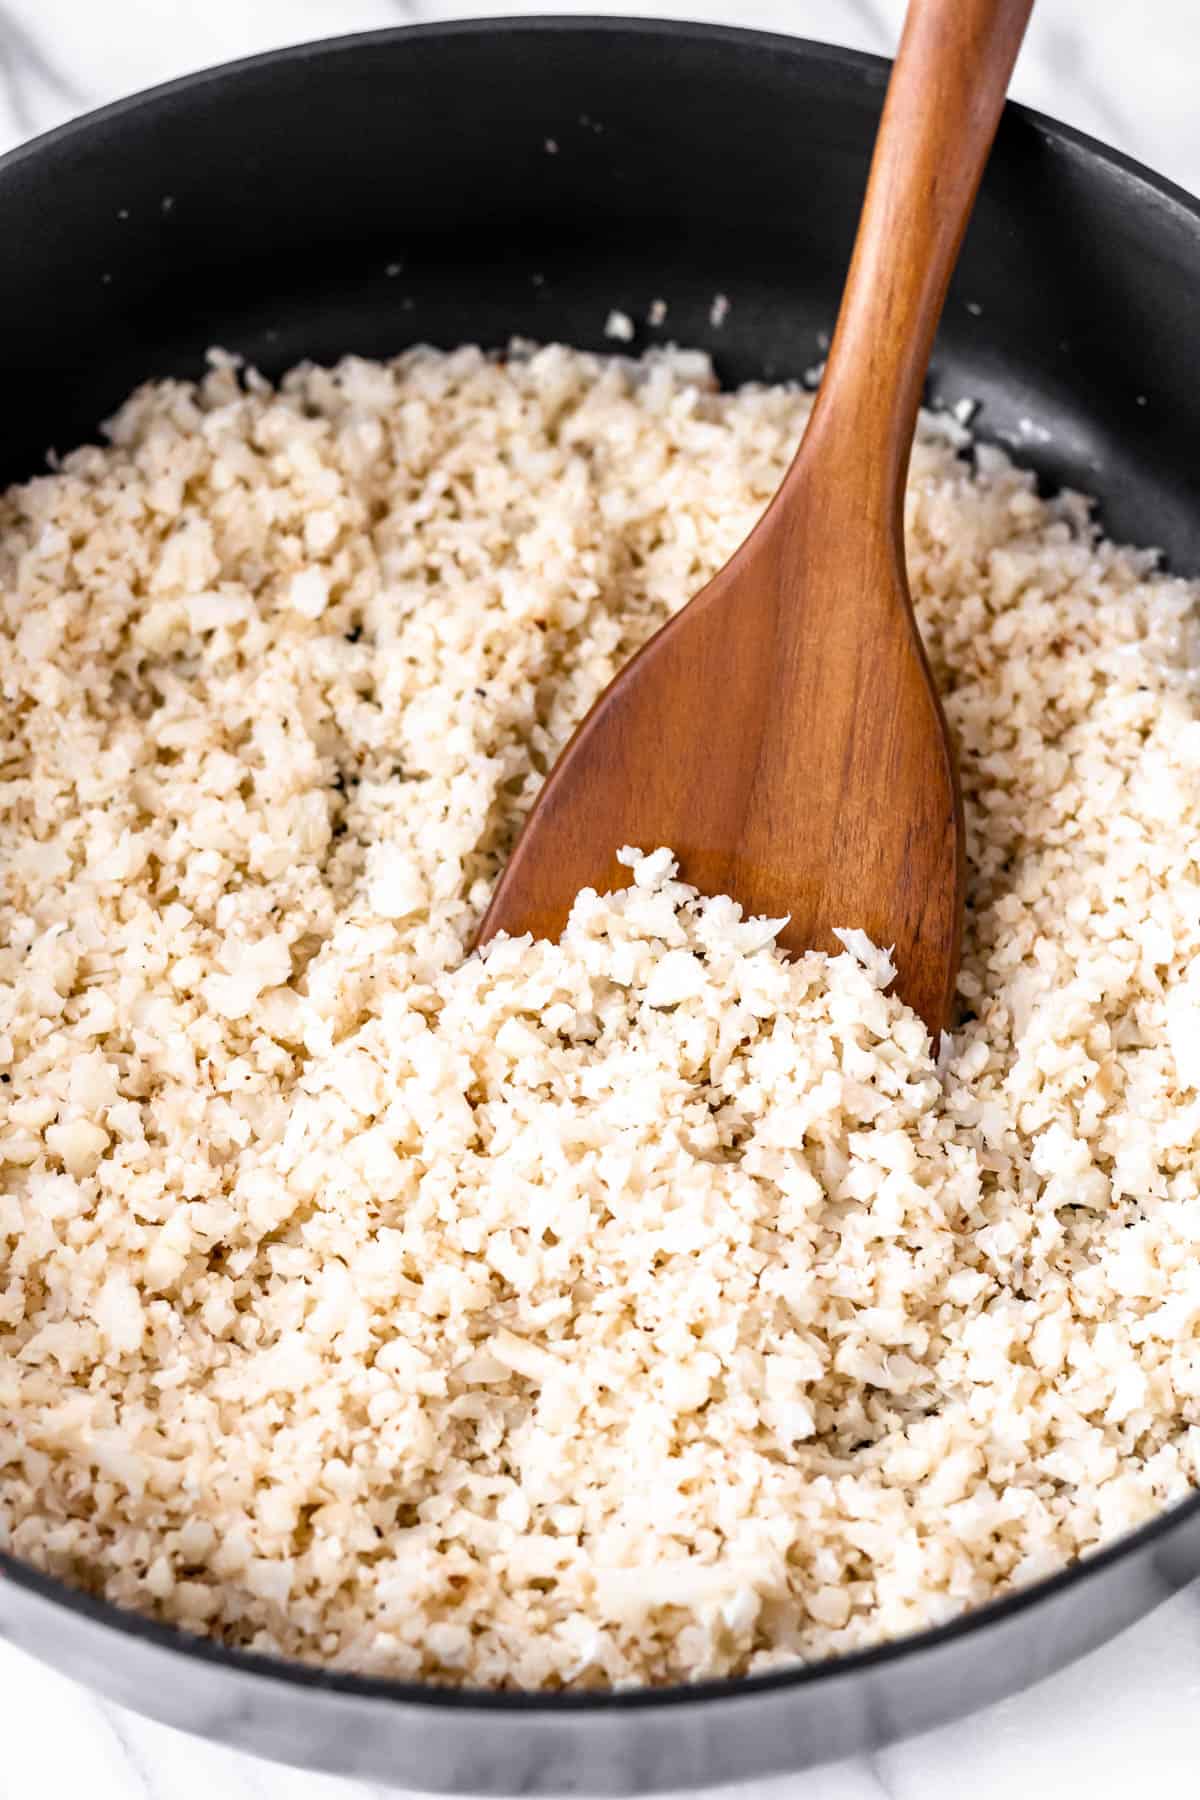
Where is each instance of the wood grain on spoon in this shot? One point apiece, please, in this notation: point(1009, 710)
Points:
point(782, 733)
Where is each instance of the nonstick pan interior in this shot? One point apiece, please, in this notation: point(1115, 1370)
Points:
point(472, 183)
point(402, 187)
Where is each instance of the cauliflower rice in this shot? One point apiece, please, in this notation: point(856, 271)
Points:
point(640, 1308)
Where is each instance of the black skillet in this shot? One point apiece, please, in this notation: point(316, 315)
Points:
point(363, 194)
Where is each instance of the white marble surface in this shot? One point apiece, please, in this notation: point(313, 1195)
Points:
point(1126, 1719)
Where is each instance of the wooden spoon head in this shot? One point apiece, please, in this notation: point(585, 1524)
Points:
point(782, 735)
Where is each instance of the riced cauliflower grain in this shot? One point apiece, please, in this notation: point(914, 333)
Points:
point(643, 1307)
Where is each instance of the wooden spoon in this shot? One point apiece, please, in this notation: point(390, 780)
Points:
point(782, 733)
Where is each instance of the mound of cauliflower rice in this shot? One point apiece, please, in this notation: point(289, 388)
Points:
point(635, 1309)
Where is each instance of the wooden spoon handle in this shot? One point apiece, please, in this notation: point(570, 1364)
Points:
point(943, 105)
